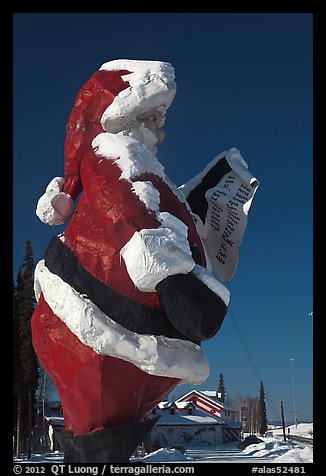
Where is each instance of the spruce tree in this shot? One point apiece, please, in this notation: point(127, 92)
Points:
point(26, 308)
point(25, 359)
point(18, 383)
point(262, 411)
point(16, 356)
point(221, 388)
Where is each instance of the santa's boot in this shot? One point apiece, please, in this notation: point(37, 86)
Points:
point(111, 445)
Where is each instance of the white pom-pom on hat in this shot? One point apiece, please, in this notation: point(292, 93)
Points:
point(55, 206)
point(56, 185)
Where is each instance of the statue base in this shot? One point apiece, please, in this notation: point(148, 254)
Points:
point(111, 445)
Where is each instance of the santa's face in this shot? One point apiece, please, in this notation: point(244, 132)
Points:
point(154, 121)
point(139, 110)
point(147, 128)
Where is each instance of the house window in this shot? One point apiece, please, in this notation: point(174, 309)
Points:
point(172, 411)
point(189, 411)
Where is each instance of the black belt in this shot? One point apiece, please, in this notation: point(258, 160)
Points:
point(60, 260)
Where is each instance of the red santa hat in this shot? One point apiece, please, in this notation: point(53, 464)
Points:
point(111, 100)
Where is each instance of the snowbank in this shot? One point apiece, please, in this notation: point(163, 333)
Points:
point(163, 455)
point(305, 430)
point(296, 456)
point(280, 451)
point(56, 457)
point(270, 450)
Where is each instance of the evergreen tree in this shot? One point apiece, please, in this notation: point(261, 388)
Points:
point(262, 411)
point(25, 359)
point(221, 389)
point(26, 308)
point(18, 384)
point(16, 346)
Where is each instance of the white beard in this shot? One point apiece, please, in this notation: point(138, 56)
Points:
point(143, 135)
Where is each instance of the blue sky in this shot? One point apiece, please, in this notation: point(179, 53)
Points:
point(244, 80)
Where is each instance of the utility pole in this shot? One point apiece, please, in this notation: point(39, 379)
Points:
point(283, 421)
point(293, 386)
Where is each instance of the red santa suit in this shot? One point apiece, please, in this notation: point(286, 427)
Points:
point(124, 294)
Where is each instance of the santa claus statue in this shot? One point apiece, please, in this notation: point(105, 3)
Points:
point(127, 293)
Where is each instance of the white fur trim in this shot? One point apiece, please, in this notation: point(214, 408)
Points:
point(55, 206)
point(147, 194)
point(55, 185)
point(131, 156)
point(212, 283)
point(155, 355)
point(151, 85)
point(155, 253)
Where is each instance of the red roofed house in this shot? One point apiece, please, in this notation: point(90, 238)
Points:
point(195, 419)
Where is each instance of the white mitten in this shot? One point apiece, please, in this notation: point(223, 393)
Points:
point(55, 206)
point(153, 254)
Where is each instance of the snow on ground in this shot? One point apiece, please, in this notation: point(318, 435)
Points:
point(271, 450)
point(164, 455)
point(301, 429)
point(55, 457)
point(280, 451)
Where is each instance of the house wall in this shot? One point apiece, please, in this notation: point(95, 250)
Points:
point(186, 435)
point(228, 415)
point(231, 434)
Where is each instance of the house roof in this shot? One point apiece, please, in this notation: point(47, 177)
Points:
point(168, 419)
point(182, 405)
point(55, 421)
point(209, 393)
point(202, 413)
point(195, 395)
point(163, 405)
point(205, 394)
point(176, 404)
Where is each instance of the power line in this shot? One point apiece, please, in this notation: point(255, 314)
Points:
point(297, 411)
point(29, 238)
point(252, 363)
